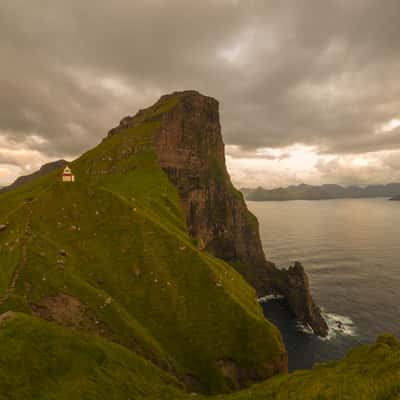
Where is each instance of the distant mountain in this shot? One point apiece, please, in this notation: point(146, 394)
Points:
point(44, 170)
point(323, 192)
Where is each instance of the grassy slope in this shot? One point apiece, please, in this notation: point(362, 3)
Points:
point(123, 229)
point(63, 364)
point(367, 373)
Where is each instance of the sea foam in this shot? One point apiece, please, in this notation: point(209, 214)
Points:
point(339, 325)
point(269, 297)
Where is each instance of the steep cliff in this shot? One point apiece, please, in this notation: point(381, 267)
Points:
point(110, 255)
point(191, 151)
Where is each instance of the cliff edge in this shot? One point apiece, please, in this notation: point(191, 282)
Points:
point(191, 152)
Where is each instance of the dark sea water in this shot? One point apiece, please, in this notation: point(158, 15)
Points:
point(351, 252)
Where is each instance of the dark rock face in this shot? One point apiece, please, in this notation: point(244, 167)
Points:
point(191, 151)
point(293, 284)
point(241, 378)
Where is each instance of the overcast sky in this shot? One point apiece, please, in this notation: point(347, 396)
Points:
point(309, 90)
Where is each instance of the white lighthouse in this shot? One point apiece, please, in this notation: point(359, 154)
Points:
point(68, 176)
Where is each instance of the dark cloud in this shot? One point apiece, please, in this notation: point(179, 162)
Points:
point(319, 73)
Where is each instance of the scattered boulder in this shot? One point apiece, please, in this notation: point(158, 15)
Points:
point(3, 227)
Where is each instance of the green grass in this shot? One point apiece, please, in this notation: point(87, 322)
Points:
point(124, 230)
point(63, 364)
point(369, 372)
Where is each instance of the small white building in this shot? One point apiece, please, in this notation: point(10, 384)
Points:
point(68, 176)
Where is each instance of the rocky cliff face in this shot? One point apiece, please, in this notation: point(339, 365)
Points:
point(190, 149)
point(293, 284)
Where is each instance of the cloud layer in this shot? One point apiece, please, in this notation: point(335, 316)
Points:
point(318, 74)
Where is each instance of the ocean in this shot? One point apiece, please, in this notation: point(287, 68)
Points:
point(350, 249)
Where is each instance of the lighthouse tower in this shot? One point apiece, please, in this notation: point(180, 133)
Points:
point(68, 175)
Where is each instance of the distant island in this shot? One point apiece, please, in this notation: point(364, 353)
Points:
point(323, 192)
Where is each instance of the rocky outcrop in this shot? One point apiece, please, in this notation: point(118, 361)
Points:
point(191, 151)
point(293, 284)
point(243, 377)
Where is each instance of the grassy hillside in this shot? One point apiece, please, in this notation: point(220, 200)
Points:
point(369, 372)
point(110, 255)
point(63, 364)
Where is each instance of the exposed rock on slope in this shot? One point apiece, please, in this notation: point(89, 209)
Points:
point(293, 284)
point(191, 151)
